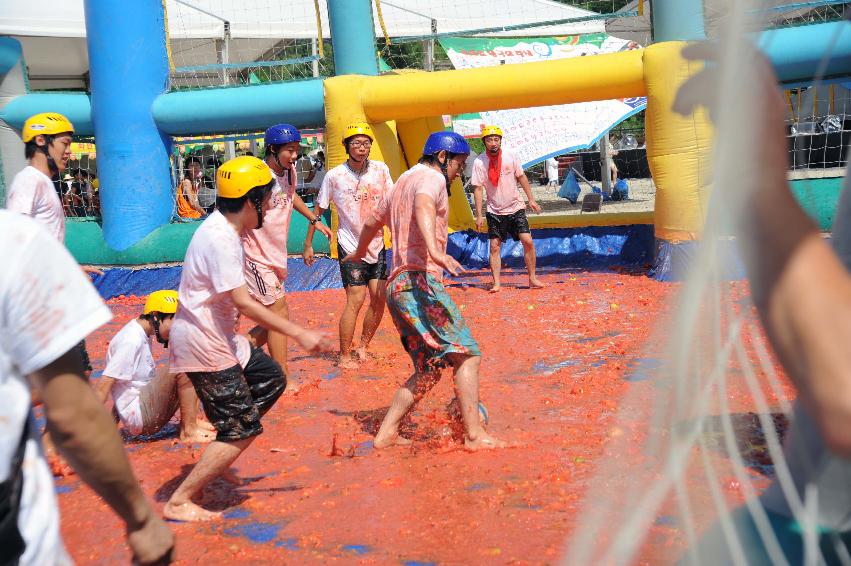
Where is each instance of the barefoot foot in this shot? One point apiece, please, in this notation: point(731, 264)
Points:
point(495, 288)
point(382, 442)
point(188, 512)
point(347, 362)
point(536, 283)
point(198, 435)
point(204, 424)
point(483, 442)
point(360, 353)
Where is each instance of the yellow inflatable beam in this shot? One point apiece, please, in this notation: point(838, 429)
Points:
point(580, 79)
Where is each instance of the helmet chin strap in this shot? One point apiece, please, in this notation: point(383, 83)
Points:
point(155, 322)
point(444, 168)
point(51, 163)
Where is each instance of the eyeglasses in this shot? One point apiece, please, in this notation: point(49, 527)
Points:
point(358, 143)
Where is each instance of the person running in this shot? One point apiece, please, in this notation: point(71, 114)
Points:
point(146, 398)
point(266, 248)
point(236, 383)
point(356, 188)
point(499, 171)
point(431, 327)
point(48, 306)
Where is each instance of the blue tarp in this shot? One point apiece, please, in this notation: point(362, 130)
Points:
point(597, 247)
point(673, 260)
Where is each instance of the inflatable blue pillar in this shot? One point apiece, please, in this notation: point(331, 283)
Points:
point(677, 20)
point(353, 37)
point(128, 65)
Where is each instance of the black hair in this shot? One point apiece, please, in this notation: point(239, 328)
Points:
point(30, 148)
point(232, 205)
point(192, 159)
point(433, 160)
point(160, 315)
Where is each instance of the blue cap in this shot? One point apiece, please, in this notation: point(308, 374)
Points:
point(280, 134)
point(450, 141)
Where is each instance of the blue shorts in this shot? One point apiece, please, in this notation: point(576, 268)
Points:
point(429, 323)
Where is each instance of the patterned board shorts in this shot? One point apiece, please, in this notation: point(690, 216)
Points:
point(360, 273)
point(428, 321)
point(501, 226)
point(234, 399)
point(263, 283)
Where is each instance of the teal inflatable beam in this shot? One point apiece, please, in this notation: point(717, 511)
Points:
point(240, 109)
point(677, 20)
point(77, 107)
point(800, 53)
point(353, 37)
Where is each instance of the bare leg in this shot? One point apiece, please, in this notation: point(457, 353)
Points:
point(215, 460)
point(355, 296)
point(406, 396)
point(276, 341)
point(372, 318)
point(496, 263)
point(529, 254)
point(467, 392)
point(192, 428)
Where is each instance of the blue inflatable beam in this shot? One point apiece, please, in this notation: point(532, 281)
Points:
point(77, 107)
point(129, 69)
point(353, 33)
point(677, 20)
point(10, 54)
point(799, 53)
point(239, 109)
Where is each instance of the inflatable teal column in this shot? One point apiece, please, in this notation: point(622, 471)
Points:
point(353, 37)
point(128, 66)
point(677, 20)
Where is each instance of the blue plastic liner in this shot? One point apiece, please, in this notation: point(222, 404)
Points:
point(673, 260)
point(596, 247)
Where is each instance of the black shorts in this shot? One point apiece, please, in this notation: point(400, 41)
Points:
point(84, 354)
point(359, 273)
point(234, 399)
point(501, 226)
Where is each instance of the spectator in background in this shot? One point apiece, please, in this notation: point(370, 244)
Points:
point(187, 192)
point(204, 189)
point(552, 172)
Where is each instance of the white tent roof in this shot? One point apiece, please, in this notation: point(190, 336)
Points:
point(53, 32)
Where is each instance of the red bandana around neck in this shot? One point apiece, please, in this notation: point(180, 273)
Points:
point(494, 167)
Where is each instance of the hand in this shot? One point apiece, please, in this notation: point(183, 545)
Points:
point(480, 223)
point(90, 270)
point(448, 263)
point(308, 256)
point(315, 342)
point(326, 231)
point(356, 255)
point(536, 208)
point(152, 543)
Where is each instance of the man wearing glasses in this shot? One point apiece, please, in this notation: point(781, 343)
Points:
point(356, 188)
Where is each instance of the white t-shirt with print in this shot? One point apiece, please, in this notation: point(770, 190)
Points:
point(47, 306)
point(204, 333)
point(130, 362)
point(32, 193)
point(356, 196)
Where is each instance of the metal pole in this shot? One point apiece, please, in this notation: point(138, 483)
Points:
point(605, 174)
point(314, 50)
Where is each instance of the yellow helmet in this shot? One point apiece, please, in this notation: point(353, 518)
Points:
point(161, 301)
point(46, 124)
point(358, 128)
point(491, 131)
point(239, 175)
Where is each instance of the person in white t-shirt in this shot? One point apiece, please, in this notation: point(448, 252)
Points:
point(46, 307)
point(552, 172)
point(356, 187)
point(146, 398)
point(498, 172)
point(236, 383)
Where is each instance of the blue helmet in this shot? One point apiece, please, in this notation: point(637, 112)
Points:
point(280, 134)
point(450, 141)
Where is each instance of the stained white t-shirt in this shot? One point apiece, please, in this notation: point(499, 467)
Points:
point(356, 196)
point(47, 306)
point(204, 334)
point(130, 362)
point(32, 193)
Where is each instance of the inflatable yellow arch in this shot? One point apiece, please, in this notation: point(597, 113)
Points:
point(403, 109)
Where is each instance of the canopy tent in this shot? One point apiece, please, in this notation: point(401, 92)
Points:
point(53, 32)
